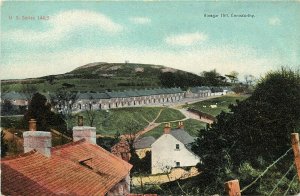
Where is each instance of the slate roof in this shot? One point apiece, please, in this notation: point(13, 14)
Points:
point(116, 94)
point(182, 136)
point(77, 168)
point(130, 93)
point(197, 89)
point(85, 95)
point(13, 95)
point(144, 142)
point(100, 96)
point(216, 89)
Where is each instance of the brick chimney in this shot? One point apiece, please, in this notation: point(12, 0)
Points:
point(38, 140)
point(86, 132)
point(180, 125)
point(167, 128)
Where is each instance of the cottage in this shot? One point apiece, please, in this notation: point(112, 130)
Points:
point(143, 145)
point(172, 149)
point(77, 168)
point(217, 91)
point(15, 98)
point(130, 98)
point(198, 91)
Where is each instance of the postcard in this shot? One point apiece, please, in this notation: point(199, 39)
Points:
point(150, 97)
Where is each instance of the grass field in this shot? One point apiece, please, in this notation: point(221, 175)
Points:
point(169, 114)
point(190, 125)
point(120, 120)
point(221, 102)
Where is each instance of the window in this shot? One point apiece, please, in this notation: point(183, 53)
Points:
point(177, 164)
point(177, 146)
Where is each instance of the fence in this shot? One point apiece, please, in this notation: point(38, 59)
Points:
point(202, 114)
point(233, 187)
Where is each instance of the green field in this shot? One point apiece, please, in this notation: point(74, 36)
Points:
point(190, 125)
point(120, 120)
point(221, 102)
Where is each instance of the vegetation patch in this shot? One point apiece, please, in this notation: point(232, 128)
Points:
point(116, 121)
point(169, 114)
point(216, 105)
point(11, 121)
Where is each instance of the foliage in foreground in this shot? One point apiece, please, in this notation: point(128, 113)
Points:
point(243, 143)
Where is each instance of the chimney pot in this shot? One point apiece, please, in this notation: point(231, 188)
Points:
point(180, 125)
point(80, 120)
point(32, 125)
point(167, 128)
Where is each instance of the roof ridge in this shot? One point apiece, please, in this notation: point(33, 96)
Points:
point(19, 155)
point(68, 144)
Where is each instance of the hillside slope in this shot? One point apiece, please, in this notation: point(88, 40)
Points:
point(102, 76)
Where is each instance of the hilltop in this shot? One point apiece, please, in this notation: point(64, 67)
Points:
point(101, 76)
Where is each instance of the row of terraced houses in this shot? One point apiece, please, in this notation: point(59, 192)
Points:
point(128, 98)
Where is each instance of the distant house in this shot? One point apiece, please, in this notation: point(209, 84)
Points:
point(198, 91)
point(143, 145)
point(15, 98)
point(129, 98)
point(217, 91)
point(77, 168)
point(172, 149)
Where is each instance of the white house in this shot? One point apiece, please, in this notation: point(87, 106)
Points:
point(172, 150)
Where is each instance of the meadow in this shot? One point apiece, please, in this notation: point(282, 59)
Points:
point(221, 104)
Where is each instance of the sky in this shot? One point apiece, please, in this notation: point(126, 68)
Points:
point(54, 37)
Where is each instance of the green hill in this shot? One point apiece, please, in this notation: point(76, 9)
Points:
point(108, 76)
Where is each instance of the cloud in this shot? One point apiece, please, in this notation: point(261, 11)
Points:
point(224, 59)
point(62, 25)
point(186, 39)
point(274, 21)
point(140, 20)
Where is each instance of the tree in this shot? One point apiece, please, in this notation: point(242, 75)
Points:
point(249, 79)
point(63, 102)
point(212, 78)
point(90, 112)
point(7, 107)
point(28, 90)
point(4, 145)
point(50, 79)
point(233, 76)
point(256, 132)
point(40, 109)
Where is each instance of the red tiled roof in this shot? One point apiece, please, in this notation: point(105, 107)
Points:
point(78, 168)
point(136, 194)
point(122, 150)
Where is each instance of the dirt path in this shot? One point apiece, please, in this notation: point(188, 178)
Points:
point(177, 106)
point(184, 111)
point(149, 127)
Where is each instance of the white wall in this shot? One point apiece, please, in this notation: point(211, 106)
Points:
point(165, 155)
